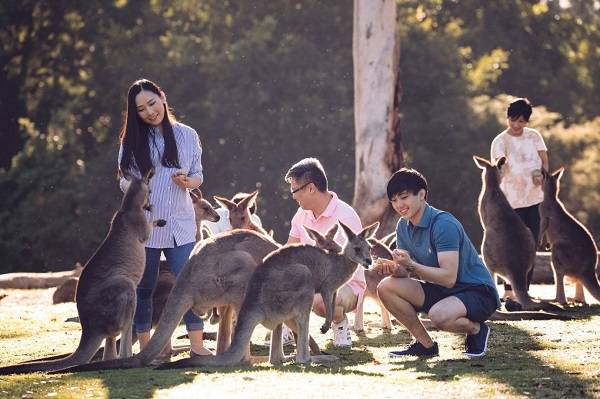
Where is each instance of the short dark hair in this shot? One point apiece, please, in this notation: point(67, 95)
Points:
point(308, 170)
point(406, 179)
point(519, 107)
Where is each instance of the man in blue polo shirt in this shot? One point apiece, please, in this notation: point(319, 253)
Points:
point(436, 270)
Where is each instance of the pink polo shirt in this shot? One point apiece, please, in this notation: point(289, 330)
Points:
point(336, 210)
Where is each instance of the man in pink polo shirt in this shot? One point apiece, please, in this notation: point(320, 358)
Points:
point(320, 209)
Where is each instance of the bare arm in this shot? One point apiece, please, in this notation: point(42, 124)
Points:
point(544, 157)
point(293, 240)
point(445, 275)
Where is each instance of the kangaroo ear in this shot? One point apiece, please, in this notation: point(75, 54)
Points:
point(557, 174)
point(481, 162)
point(315, 235)
point(224, 202)
point(370, 230)
point(195, 197)
point(349, 233)
point(196, 191)
point(247, 202)
point(332, 232)
point(500, 162)
point(389, 239)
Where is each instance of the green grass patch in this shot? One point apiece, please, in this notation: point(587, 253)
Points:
point(526, 359)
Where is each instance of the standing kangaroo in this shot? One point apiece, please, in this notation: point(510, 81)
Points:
point(508, 246)
point(106, 290)
point(282, 289)
point(216, 274)
point(574, 252)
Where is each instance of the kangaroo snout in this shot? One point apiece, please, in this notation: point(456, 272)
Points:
point(159, 223)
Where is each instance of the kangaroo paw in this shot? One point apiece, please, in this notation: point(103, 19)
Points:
point(324, 328)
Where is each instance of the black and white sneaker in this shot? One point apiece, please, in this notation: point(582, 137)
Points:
point(476, 345)
point(416, 349)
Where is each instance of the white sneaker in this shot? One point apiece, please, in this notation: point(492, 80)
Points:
point(341, 335)
point(287, 337)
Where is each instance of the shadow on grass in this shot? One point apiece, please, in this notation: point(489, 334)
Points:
point(509, 361)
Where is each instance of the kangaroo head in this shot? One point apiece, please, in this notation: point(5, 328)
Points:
point(326, 242)
point(138, 192)
point(379, 249)
point(357, 248)
point(202, 208)
point(492, 172)
point(551, 182)
point(239, 213)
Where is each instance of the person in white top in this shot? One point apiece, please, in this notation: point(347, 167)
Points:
point(526, 155)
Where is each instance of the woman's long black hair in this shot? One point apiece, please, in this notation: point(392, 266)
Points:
point(135, 134)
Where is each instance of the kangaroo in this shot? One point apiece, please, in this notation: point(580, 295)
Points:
point(216, 274)
point(574, 252)
point(508, 246)
point(239, 213)
point(106, 290)
point(282, 289)
point(378, 250)
point(203, 210)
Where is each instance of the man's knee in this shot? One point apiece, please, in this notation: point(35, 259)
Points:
point(439, 318)
point(385, 288)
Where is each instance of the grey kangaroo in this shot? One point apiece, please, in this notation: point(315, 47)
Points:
point(216, 274)
point(106, 290)
point(378, 250)
point(508, 246)
point(574, 252)
point(282, 289)
point(239, 213)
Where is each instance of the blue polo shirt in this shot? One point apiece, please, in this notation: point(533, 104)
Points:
point(440, 231)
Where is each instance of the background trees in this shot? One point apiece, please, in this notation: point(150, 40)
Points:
point(265, 84)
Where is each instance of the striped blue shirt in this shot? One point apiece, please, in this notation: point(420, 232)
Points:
point(169, 201)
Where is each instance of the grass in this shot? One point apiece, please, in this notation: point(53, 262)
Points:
point(553, 359)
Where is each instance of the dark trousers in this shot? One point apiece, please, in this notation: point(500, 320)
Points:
point(531, 217)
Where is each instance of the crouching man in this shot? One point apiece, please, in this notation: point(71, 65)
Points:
point(435, 269)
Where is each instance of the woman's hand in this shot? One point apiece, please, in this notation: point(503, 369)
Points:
point(180, 179)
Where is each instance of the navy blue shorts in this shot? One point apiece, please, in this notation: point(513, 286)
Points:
point(478, 299)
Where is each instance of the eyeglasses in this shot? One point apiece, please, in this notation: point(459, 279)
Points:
point(294, 191)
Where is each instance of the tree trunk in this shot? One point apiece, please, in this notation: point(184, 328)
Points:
point(377, 92)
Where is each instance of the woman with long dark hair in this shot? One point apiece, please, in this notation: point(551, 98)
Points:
point(152, 138)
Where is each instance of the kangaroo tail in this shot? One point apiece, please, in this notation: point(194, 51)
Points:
point(244, 328)
point(515, 316)
point(176, 306)
point(88, 346)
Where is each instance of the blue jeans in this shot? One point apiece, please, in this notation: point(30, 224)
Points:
point(177, 257)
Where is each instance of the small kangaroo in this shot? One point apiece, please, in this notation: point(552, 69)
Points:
point(106, 290)
point(574, 252)
point(282, 290)
point(203, 211)
point(216, 274)
point(508, 246)
point(239, 213)
point(378, 250)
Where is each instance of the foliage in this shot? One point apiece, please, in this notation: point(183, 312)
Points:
point(266, 84)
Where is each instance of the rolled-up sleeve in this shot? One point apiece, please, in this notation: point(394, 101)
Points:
point(196, 161)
